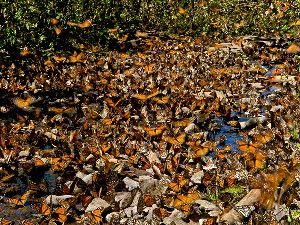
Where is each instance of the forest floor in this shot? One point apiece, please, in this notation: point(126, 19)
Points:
point(173, 131)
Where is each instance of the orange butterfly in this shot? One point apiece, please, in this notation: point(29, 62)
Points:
point(180, 139)
point(149, 68)
point(76, 57)
point(59, 58)
point(60, 215)
point(23, 103)
point(5, 221)
point(54, 21)
point(162, 100)
point(155, 131)
point(86, 200)
point(186, 209)
point(58, 164)
point(19, 201)
point(105, 146)
point(256, 160)
point(45, 209)
point(245, 146)
point(203, 149)
point(25, 52)
point(145, 97)
point(178, 184)
point(84, 24)
point(94, 216)
point(58, 31)
point(39, 161)
point(263, 138)
point(181, 123)
point(26, 222)
point(189, 198)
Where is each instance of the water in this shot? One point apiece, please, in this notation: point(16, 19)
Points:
point(229, 133)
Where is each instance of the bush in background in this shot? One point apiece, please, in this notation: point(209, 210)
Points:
point(27, 23)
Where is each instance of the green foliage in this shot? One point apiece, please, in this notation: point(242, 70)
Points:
point(27, 23)
point(234, 190)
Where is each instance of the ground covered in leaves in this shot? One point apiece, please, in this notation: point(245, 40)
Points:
point(172, 131)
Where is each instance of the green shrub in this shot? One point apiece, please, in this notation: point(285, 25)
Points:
point(27, 23)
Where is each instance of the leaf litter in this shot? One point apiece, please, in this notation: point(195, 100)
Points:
point(179, 131)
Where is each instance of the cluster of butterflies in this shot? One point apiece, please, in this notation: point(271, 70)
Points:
point(59, 214)
point(252, 149)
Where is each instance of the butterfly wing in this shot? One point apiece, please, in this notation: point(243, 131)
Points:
point(61, 215)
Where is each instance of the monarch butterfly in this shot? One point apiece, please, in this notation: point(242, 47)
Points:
point(41, 187)
point(263, 138)
point(245, 146)
point(5, 221)
point(58, 31)
point(19, 201)
point(180, 139)
point(59, 58)
point(162, 100)
point(256, 160)
point(244, 210)
point(60, 215)
point(293, 49)
point(23, 103)
point(94, 216)
point(76, 57)
point(178, 184)
point(203, 149)
point(155, 131)
point(181, 10)
point(45, 209)
point(25, 52)
point(181, 123)
point(82, 25)
point(186, 209)
point(54, 21)
point(58, 164)
point(86, 200)
point(185, 199)
point(145, 97)
point(105, 146)
point(149, 68)
point(39, 162)
point(26, 222)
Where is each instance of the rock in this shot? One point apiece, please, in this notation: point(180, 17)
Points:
point(235, 215)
